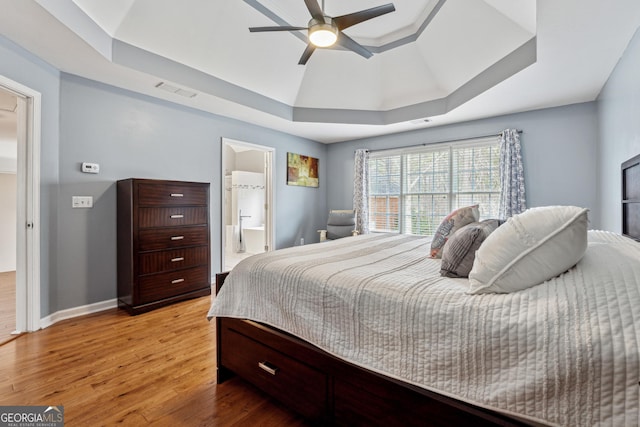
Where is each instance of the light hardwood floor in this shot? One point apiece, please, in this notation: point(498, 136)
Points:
point(110, 368)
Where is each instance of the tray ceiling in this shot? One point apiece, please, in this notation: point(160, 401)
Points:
point(446, 60)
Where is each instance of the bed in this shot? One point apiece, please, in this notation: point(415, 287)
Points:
point(365, 331)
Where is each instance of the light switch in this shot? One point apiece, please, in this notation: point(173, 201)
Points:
point(82, 201)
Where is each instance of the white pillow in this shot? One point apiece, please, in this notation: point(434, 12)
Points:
point(530, 248)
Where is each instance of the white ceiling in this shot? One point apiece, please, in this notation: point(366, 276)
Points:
point(449, 60)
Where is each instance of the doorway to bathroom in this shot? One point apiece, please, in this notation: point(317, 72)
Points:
point(247, 201)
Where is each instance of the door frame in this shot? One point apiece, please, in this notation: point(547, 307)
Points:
point(29, 125)
point(270, 215)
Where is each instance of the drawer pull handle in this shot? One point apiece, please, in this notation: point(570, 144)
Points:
point(267, 367)
point(177, 259)
point(177, 216)
point(177, 237)
point(177, 281)
point(177, 195)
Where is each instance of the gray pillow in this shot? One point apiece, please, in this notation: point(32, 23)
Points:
point(341, 218)
point(459, 252)
point(340, 224)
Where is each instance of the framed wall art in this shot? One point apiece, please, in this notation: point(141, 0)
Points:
point(302, 170)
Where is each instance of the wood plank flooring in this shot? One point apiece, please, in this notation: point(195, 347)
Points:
point(110, 368)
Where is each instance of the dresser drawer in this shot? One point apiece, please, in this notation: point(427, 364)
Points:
point(173, 259)
point(172, 194)
point(165, 285)
point(277, 374)
point(174, 237)
point(162, 217)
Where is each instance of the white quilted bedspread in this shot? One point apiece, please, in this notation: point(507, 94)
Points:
point(566, 352)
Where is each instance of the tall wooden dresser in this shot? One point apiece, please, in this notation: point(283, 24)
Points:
point(163, 243)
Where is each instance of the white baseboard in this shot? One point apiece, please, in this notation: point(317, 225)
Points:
point(69, 313)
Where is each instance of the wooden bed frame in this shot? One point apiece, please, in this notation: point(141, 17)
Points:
point(329, 391)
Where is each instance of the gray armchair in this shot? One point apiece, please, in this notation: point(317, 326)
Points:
point(341, 223)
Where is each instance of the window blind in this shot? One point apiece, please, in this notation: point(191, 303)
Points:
point(411, 191)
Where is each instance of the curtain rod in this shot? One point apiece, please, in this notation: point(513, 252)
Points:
point(424, 144)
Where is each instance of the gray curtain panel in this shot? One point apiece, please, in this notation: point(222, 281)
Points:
point(512, 198)
point(361, 190)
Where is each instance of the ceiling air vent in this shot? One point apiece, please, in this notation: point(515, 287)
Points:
point(175, 89)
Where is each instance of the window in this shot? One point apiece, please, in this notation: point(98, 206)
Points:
point(411, 191)
point(384, 193)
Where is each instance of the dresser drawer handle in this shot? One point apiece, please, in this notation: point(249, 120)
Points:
point(177, 195)
point(177, 237)
point(177, 281)
point(177, 259)
point(267, 367)
point(177, 216)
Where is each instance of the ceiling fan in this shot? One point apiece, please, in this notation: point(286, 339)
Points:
point(325, 31)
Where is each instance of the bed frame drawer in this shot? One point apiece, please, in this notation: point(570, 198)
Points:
point(295, 384)
point(363, 401)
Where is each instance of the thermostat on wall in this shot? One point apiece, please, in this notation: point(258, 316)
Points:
point(90, 167)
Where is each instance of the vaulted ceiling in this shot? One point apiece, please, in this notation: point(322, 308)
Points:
point(442, 60)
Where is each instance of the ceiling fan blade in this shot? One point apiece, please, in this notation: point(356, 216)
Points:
point(314, 9)
point(278, 28)
point(306, 54)
point(346, 21)
point(347, 42)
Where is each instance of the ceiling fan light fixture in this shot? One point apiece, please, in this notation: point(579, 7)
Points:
point(323, 33)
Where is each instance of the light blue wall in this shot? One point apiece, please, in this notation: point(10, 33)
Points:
point(136, 136)
point(131, 135)
point(22, 67)
point(559, 153)
point(619, 133)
